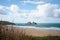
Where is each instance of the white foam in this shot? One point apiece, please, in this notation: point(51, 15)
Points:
point(45, 28)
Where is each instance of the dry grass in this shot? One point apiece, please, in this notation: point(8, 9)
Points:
point(12, 33)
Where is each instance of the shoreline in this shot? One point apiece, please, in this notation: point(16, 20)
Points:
point(39, 28)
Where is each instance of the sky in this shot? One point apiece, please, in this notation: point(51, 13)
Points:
point(22, 11)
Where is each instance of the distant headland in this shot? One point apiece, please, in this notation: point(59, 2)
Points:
point(6, 23)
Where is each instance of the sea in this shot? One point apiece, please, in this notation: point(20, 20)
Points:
point(47, 26)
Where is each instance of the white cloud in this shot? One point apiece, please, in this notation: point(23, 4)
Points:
point(2, 10)
point(1, 7)
point(16, 13)
point(46, 0)
point(14, 8)
point(46, 9)
point(35, 1)
point(57, 13)
point(32, 2)
point(13, 13)
point(44, 12)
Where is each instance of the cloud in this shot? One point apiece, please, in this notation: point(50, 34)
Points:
point(45, 12)
point(32, 2)
point(35, 1)
point(16, 13)
point(1, 7)
point(13, 13)
point(57, 13)
point(2, 10)
point(14, 8)
point(46, 0)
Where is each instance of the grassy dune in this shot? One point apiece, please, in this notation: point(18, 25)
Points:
point(13, 33)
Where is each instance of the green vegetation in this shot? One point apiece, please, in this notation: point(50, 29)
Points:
point(47, 38)
point(6, 23)
point(12, 33)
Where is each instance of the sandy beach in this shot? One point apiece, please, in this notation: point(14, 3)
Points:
point(41, 33)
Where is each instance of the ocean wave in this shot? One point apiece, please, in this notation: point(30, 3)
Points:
point(45, 28)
